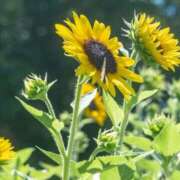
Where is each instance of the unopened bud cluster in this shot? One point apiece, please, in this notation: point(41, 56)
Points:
point(35, 88)
point(107, 140)
point(156, 125)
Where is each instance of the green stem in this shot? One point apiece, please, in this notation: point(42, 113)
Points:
point(126, 107)
point(123, 125)
point(94, 153)
point(165, 166)
point(73, 129)
point(60, 144)
point(49, 106)
point(57, 136)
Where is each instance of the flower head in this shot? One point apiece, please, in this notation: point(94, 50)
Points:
point(6, 150)
point(97, 54)
point(96, 109)
point(153, 42)
point(35, 87)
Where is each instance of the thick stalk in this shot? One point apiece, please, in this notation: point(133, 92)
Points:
point(73, 129)
point(57, 136)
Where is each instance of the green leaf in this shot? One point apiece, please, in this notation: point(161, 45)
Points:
point(43, 117)
point(86, 100)
point(143, 95)
point(50, 170)
point(113, 110)
point(167, 141)
point(102, 163)
point(146, 94)
point(87, 176)
point(126, 171)
point(149, 165)
point(175, 175)
point(53, 156)
point(111, 173)
point(108, 167)
point(143, 155)
point(24, 154)
point(122, 172)
point(151, 168)
point(138, 142)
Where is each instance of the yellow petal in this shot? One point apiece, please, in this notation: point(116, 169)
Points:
point(130, 75)
point(123, 88)
point(64, 32)
point(125, 61)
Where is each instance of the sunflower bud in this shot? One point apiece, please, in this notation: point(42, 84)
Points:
point(107, 140)
point(156, 125)
point(65, 117)
point(36, 88)
point(174, 89)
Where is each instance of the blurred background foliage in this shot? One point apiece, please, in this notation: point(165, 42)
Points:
point(28, 43)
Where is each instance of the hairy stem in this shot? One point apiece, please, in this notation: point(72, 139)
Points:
point(73, 129)
point(49, 107)
point(94, 153)
point(56, 135)
point(123, 125)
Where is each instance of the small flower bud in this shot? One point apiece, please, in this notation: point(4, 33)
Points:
point(36, 88)
point(107, 140)
point(156, 125)
point(65, 117)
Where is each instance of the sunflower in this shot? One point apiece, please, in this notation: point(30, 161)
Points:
point(6, 150)
point(97, 54)
point(96, 109)
point(153, 42)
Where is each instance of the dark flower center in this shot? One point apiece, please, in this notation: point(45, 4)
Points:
point(92, 106)
point(98, 53)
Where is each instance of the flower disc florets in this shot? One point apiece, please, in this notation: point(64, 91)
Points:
point(98, 53)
